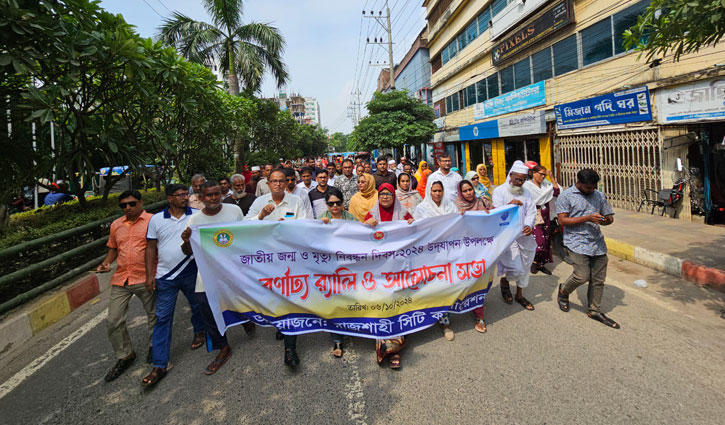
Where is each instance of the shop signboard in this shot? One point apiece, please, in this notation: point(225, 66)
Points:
point(553, 19)
point(613, 108)
point(438, 149)
point(512, 14)
point(515, 125)
point(698, 101)
point(523, 98)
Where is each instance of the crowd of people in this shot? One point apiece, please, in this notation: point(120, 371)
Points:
point(155, 260)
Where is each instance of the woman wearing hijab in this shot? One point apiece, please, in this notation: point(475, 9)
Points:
point(468, 201)
point(408, 197)
point(433, 205)
point(423, 182)
point(388, 208)
point(542, 192)
point(365, 198)
point(422, 166)
point(483, 177)
point(478, 187)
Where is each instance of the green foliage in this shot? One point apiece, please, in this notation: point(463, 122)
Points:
point(46, 221)
point(341, 142)
point(395, 119)
point(677, 26)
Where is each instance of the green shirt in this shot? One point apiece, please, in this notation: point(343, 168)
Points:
point(345, 216)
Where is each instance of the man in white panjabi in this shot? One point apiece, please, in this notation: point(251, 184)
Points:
point(514, 264)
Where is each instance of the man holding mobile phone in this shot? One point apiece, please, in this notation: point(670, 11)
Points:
point(280, 205)
point(581, 210)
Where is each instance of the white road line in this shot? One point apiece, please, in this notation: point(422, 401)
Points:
point(58, 348)
point(354, 388)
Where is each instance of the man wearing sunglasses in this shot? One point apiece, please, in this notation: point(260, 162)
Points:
point(127, 245)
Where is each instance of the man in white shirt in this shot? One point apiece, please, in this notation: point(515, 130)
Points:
point(293, 189)
point(331, 174)
point(214, 212)
point(307, 184)
point(262, 186)
point(514, 264)
point(168, 271)
point(280, 205)
point(444, 175)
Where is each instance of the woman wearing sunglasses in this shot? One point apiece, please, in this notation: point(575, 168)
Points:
point(478, 187)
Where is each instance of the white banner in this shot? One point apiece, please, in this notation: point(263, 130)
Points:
point(698, 101)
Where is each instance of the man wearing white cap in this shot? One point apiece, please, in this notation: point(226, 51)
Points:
point(393, 168)
point(252, 183)
point(515, 263)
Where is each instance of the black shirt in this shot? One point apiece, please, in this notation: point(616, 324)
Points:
point(387, 178)
point(244, 203)
point(317, 199)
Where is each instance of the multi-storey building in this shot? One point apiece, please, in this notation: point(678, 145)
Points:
point(305, 110)
point(551, 81)
point(312, 111)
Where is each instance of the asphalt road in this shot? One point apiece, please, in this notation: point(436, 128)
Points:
point(664, 366)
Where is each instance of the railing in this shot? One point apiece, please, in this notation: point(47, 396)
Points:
point(8, 279)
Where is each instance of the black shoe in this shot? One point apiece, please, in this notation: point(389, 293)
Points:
point(544, 270)
point(290, 357)
point(120, 367)
point(249, 328)
point(279, 336)
point(150, 355)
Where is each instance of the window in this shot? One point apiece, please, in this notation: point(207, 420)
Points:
point(449, 107)
point(470, 95)
point(542, 65)
point(452, 49)
point(565, 56)
point(522, 73)
point(492, 84)
point(624, 20)
point(507, 79)
point(472, 31)
point(462, 41)
point(497, 6)
point(481, 91)
point(597, 42)
point(455, 102)
point(483, 19)
point(444, 55)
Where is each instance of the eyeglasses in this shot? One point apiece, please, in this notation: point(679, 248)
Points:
point(385, 194)
point(334, 203)
point(541, 174)
point(517, 179)
point(131, 204)
point(278, 181)
point(181, 195)
point(474, 178)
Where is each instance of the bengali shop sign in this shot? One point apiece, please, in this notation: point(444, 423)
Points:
point(614, 108)
point(693, 102)
point(523, 98)
point(349, 278)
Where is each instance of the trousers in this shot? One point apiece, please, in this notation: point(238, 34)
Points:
point(118, 315)
point(592, 269)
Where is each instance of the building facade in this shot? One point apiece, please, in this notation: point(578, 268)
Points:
point(550, 81)
point(305, 110)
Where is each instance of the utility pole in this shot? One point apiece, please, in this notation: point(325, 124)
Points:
point(385, 24)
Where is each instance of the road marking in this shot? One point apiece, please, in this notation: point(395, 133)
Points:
point(58, 348)
point(354, 388)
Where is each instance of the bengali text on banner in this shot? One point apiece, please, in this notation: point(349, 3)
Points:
point(304, 276)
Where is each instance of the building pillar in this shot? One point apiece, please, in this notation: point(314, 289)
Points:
point(499, 161)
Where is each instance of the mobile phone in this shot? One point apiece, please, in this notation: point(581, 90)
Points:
point(604, 219)
point(289, 214)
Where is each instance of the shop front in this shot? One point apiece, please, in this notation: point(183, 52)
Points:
point(696, 113)
point(500, 142)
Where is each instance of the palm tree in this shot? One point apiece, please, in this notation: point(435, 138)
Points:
point(241, 50)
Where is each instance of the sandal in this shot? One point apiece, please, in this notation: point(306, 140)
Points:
point(600, 317)
point(216, 364)
point(525, 303)
point(337, 350)
point(563, 300)
point(480, 326)
point(199, 340)
point(395, 361)
point(154, 377)
point(506, 291)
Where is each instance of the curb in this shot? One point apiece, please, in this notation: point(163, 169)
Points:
point(692, 272)
point(18, 327)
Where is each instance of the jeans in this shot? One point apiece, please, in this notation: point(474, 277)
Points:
point(166, 292)
point(591, 268)
point(214, 339)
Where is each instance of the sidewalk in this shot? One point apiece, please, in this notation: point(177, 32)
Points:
point(691, 251)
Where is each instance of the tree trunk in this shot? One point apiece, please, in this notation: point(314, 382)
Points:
point(233, 84)
point(238, 155)
point(4, 217)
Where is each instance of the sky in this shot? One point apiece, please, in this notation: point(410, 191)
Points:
point(326, 51)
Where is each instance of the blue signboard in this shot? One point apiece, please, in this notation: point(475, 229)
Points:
point(614, 108)
point(523, 98)
point(482, 130)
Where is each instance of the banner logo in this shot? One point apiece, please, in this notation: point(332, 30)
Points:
point(378, 236)
point(223, 238)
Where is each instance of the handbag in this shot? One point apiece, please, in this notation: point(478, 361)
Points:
point(539, 218)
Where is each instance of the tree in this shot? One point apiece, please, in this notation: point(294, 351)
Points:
point(340, 142)
point(395, 119)
point(677, 26)
point(242, 50)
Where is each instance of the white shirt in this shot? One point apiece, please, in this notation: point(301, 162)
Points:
point(331, 181)
point(229, 213)
point(166, 230)
point(450, 183)
point(262, 187)
point(290, 204)
point(302, 193)
point(301, 185)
